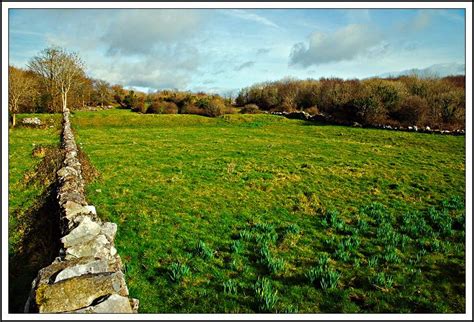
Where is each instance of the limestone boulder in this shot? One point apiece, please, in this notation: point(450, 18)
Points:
point(86, 231)
point(98, 247)
point(31, 121)
point(79, 292)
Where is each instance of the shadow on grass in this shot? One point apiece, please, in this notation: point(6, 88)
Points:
point(38, 227)
point(37, 248)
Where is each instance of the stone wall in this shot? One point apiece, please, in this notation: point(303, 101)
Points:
point(302, 115)
point(87, 275)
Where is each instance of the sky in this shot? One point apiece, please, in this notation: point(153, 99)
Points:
point(224, 50)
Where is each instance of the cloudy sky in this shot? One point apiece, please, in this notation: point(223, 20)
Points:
point(221, 50)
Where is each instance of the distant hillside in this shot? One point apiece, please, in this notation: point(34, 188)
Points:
point(437, 70)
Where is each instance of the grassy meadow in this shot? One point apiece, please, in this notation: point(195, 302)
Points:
point(258, 213)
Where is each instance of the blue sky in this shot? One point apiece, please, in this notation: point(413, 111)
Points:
point(222, 50)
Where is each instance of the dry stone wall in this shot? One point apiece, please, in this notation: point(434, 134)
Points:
point(87, 275)
point(302, 115)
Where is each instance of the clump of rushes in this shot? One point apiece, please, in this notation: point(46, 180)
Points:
point(323, 260)
point(347, 246)
point(263, 227)
point(246, 235)
point(230, 287)
point(330, 280)
point(237, 246)
point(356, 262)
point(322, 274)
point(362, 225)
point(376, 211)
point(203, 250)
point(391, 255)
point(351, 243)
point(441, 221)
point(177, 271)
point(267, 237)
point(332, 220)
point(382, 280)
point(342, 254)
point(274, 265)
point(414, 225)
point(373, 261)
point(453, 203)
point(384, 230)
point(292, 229)
point(314, 274)
point(291, 309)
point(266, 296)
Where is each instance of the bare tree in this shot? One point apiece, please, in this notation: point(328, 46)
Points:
point(19, 87)
point(103, 90)
point(59, 69)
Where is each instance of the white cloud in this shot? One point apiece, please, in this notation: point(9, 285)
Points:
point(421, 21)
point(344, 44)
point(172, 67)
point(250, 16)
point(142, 31)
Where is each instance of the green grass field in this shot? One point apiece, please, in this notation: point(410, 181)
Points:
point(258, 213)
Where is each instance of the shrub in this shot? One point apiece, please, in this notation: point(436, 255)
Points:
point(450, 106)
point(170, 108)
point(412, 110)
point(193, 109)
point(212, 106)
point(366, 106)
point(250, 109)
point(138, 105)
point(162, 107)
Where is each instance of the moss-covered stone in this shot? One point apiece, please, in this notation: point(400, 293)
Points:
point(79, 292)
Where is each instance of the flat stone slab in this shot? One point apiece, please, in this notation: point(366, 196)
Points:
point(92, 267)
point(113, 304)
point(86, 231)
point(79, 292)
point(98, 247)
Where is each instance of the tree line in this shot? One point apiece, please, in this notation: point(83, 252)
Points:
point(56, 79)
point(406, 100)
